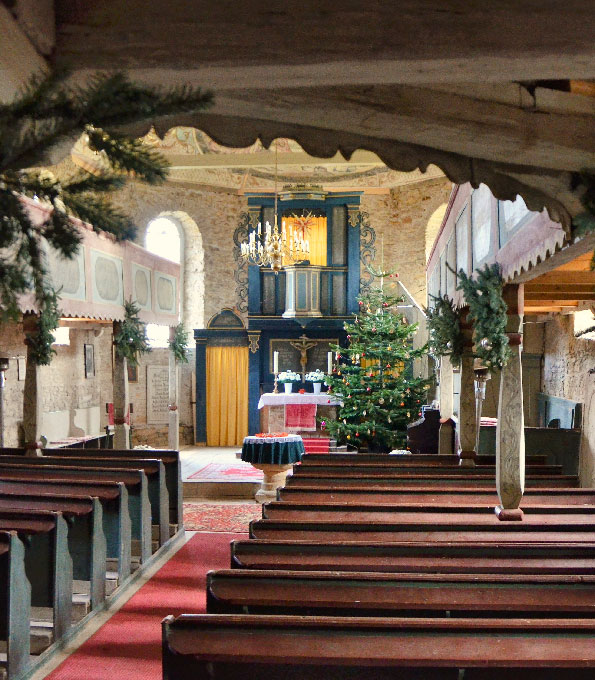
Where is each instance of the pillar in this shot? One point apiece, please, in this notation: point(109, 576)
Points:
point(32, 395)
point(510, 430)
point(467, 398)
point(173, 425)
point(200, 435)
point(121, 399)
point(446, 433)
point(254, 382)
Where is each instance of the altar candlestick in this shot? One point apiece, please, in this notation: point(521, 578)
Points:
point(275, 362)
point(329, 356)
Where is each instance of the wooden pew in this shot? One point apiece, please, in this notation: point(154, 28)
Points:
point(381, 471)
point(86, 539)
point(427, 460)
point(153, 468)
point(134, 480)
point(290, 511)
point(433, 495)
point(240, 591)
point(220, 647)
point(15, 605)
point(430, 480)
point(48, 563)
point(433, 528)
point(113, 497)
point(409, 557)
point(169, 458)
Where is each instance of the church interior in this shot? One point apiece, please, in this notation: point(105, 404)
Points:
point(328, 410)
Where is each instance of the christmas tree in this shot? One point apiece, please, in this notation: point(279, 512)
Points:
point(373, 376)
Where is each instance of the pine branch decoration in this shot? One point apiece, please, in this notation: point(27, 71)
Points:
point(444, 324)
point(131, 340)
point(51, 113)
point(40, 341)
point(179, 344)
point(488, 312)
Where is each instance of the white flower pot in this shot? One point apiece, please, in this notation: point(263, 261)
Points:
point(288, 387)
point(316, 387)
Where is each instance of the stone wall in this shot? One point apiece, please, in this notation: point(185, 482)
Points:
point(567, 362)
point(151, 434)
point(400, 220)
point(66, 387)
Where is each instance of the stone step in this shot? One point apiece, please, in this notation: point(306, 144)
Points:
point(215, 490)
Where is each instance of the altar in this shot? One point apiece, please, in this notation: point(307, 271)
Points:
point(303, 415)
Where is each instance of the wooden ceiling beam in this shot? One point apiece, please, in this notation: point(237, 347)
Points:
point(569, 295)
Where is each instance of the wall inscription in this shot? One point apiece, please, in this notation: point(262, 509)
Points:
point(157, 394)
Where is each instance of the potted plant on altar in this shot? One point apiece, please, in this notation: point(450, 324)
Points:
point(316, 378)
point(288, 378)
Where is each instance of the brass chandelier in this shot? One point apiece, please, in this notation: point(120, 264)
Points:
point(273, 247)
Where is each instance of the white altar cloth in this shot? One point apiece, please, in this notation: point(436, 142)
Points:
point(282, 398)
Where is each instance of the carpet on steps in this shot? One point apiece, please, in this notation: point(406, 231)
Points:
point(220, 517)
point(316, 444)
point(129, 644)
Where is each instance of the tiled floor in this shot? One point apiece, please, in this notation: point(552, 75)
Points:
point(195, 457)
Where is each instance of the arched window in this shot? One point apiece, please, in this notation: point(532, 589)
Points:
point(163, 239)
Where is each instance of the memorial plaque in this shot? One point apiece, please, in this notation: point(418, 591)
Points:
point(157, 395)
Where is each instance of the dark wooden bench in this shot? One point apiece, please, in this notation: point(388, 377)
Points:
point(48, 563)
point(347, 512)
point(169, 458)
point(240, 591)
point(381, 471)
point(433, 528)
point(408, 557)
point(431, 495)
point(15, 605)
point(431, 480)
point(220, 647)
point(113, 497)
point(427, 460)
point(134, 480)
point(153, 468)
point(86, 539)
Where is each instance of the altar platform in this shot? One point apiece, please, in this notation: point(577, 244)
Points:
point(276, 417)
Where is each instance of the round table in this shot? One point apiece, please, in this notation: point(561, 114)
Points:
point(275, 456)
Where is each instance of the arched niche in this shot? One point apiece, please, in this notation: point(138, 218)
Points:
point(433, 227)
point(192, 263)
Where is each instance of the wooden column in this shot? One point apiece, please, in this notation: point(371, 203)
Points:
point(173, 429)
point(467, 399)
point(446, 434)
point(254, 361)
point(510, 430)
point(32, 394)
point(121, 399)
point(200, 430)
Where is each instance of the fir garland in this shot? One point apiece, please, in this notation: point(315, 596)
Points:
point(179, 344)
point(444, 324)
point(488, 312)
point(131, 340)
point(40, 342)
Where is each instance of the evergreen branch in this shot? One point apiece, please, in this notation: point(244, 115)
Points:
point(100, 213)
point(129, 156)
point(83, 183)
point(131, 340)
point(179, 344)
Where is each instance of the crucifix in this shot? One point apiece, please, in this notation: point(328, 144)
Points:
point(303, 345)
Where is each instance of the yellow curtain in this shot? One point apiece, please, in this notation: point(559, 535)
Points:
point(314, 230)
point(227, 395)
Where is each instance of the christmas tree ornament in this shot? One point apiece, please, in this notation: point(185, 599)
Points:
point(381, 400)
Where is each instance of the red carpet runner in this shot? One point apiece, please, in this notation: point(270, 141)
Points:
point(128, 646)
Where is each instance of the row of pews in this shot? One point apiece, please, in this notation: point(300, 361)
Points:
point(374, 566)
point(76, 526)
